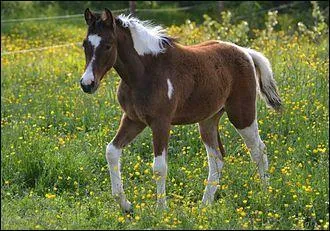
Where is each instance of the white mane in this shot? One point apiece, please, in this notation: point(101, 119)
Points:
point(147, 38)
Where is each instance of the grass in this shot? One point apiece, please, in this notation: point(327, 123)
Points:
point(53, 137)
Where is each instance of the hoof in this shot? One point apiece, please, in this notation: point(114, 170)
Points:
point(129, 212)
point(128, 209)
point(126, 206)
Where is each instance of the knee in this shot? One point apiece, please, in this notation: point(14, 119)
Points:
point(160, 165)
point(112, 153)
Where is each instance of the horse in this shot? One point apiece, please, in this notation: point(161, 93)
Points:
point(164, 83)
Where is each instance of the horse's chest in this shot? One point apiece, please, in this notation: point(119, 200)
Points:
point(135, 105)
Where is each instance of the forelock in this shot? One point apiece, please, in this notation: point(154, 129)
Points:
point(98, 26)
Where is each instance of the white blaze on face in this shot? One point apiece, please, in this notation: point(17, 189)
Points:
point(169, 89)
point(94, 40)
point(88, 76)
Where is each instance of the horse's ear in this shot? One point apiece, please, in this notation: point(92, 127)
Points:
point(108, 18)
point(89, 17)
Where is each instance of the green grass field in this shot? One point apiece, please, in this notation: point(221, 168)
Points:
point(53, 136)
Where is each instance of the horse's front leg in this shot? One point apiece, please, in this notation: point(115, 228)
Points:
point(127, 131)
point(160, 132)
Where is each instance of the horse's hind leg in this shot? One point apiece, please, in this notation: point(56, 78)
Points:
point(210, 137)
point(257, 148)
point(242, 114)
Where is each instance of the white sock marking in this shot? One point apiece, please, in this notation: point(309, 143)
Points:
point(160, 172)
point(215, 167)
point(170, 89)
point(256, 146)
point(113, 158)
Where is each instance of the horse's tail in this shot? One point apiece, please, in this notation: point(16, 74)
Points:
point(267, 83)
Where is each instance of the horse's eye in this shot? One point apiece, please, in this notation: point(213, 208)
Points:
point(107, 46)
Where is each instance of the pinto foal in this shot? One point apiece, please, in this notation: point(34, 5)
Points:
point(164, 83)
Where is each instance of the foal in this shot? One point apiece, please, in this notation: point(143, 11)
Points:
point(164, 83)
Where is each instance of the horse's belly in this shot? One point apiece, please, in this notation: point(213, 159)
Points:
point(195, 111)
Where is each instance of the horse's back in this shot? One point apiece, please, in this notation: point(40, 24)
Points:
point(219, 70)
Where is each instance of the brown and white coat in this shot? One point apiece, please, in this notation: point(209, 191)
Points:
point(164, 83)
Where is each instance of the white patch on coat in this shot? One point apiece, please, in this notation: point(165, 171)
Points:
point(95, 40)
point(88, 76)
point(215, 167)
point(170, 89)
point(147, 38)
point(113, 158)
point(160, 172)
point(257, 148)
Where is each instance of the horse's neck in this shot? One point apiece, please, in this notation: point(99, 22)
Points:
point(128, 65)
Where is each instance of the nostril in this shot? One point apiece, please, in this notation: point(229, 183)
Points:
point(92, 84)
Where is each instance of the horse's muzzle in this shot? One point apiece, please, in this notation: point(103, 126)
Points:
point(88, 88)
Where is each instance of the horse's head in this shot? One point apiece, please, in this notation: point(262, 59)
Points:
point(100, 48)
